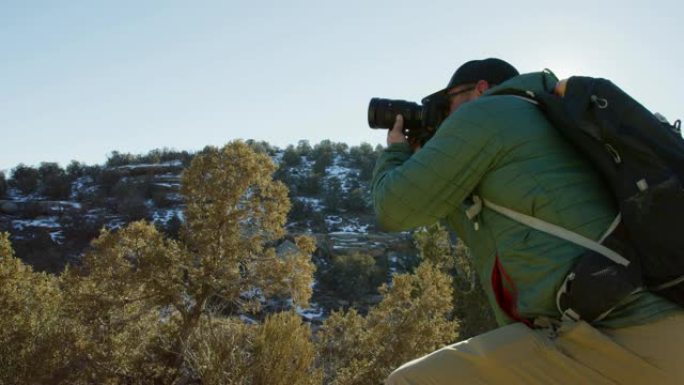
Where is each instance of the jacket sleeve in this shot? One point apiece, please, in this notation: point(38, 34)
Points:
point(415, 190)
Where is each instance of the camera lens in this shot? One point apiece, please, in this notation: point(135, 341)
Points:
point(382, 113)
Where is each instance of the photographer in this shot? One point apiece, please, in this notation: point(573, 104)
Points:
point(503, 149)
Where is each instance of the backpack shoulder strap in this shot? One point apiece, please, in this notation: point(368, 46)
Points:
point(557, 231)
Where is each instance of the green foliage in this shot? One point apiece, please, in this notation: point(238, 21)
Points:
point(341, 149)
point(138, 298)
point(412, 320)
point(3, 185)
point(25, 179)
point(322, 155)
point(116, 159)
point(332, 198)
point(130, 197)
point(434, 245)
point(470, 302)
point(306, 215)
point(261, 147)
point(34, 339)
point(351, 276)
point(6, 252)
point(218, 351)
point(363, 157)
point(322, 161)
point(40, 251)
point(291, 157)
point(304, 148)
point(173, 227)
point(284, 353)
point(124, 282)
point(107, 178)
point(185, 304)
point(472, 306)
point(156, 156)
point(278, 351)
point(163, 155)
point(75, 170)
point(309, 185)
point(54, 181)
point(356, 201)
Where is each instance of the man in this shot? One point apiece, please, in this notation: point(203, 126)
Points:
point(503, 149)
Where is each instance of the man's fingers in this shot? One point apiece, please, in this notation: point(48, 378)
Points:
point(396, 134)
point(398, 123)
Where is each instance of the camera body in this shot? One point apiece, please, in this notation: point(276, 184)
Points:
point(420, 120)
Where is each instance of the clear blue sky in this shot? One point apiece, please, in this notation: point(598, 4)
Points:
point(79, 79)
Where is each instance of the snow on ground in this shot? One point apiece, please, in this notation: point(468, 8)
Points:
point(73, 205)
point(167, 185)
point(310, 313)
point(44, 222)
point(315, 203)
point(16, 195)
point(393, 261)
point(341, 172)
point(337, 226)
point(173, 163)
point(332, 220)
point(115, 222)
point(306, 166)
point(355, 228)
point(165, 215)
point(278, 157)
point(248, 320)
point(84, 185)
point(57, 237)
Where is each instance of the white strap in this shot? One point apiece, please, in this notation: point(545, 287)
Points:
point(611, 228)
point(666, 285)
point(557, 231)
point(526, 99)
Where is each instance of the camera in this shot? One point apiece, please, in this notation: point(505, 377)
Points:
point(420, 121)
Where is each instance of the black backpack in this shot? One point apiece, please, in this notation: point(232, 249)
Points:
point(641, 158)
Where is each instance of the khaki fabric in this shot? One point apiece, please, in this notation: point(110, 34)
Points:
point(576, 354)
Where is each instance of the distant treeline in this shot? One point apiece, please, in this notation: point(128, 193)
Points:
point(51, 181)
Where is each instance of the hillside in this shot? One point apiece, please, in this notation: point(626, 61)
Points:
point(52, 213)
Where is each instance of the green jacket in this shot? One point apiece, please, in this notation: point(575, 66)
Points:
point(503, 149)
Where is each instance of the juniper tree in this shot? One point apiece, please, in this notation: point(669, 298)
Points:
point(34, 339)
point(122, 298)
point(411, 320)
point(470, 303)
point(54, 181)
point(235, 212)
point(291, 158)
point(139, 303)
point(25, 179)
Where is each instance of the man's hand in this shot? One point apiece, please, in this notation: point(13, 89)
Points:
point(396, 134)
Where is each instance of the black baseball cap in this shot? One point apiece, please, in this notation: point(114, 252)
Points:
point(494, 71)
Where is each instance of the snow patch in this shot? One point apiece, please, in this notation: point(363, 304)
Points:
point(165, 215)
point(311, 313)
point(172, 163)
point(57, 237)
point(247, 320)
point(352, 226)
point(314, 203)
point(46, 222)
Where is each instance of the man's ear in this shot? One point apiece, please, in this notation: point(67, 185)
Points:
point(481, 86)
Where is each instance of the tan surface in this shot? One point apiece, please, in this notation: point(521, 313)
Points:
point(580, 354)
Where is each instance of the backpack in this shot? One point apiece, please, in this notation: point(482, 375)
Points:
point(641, 159)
